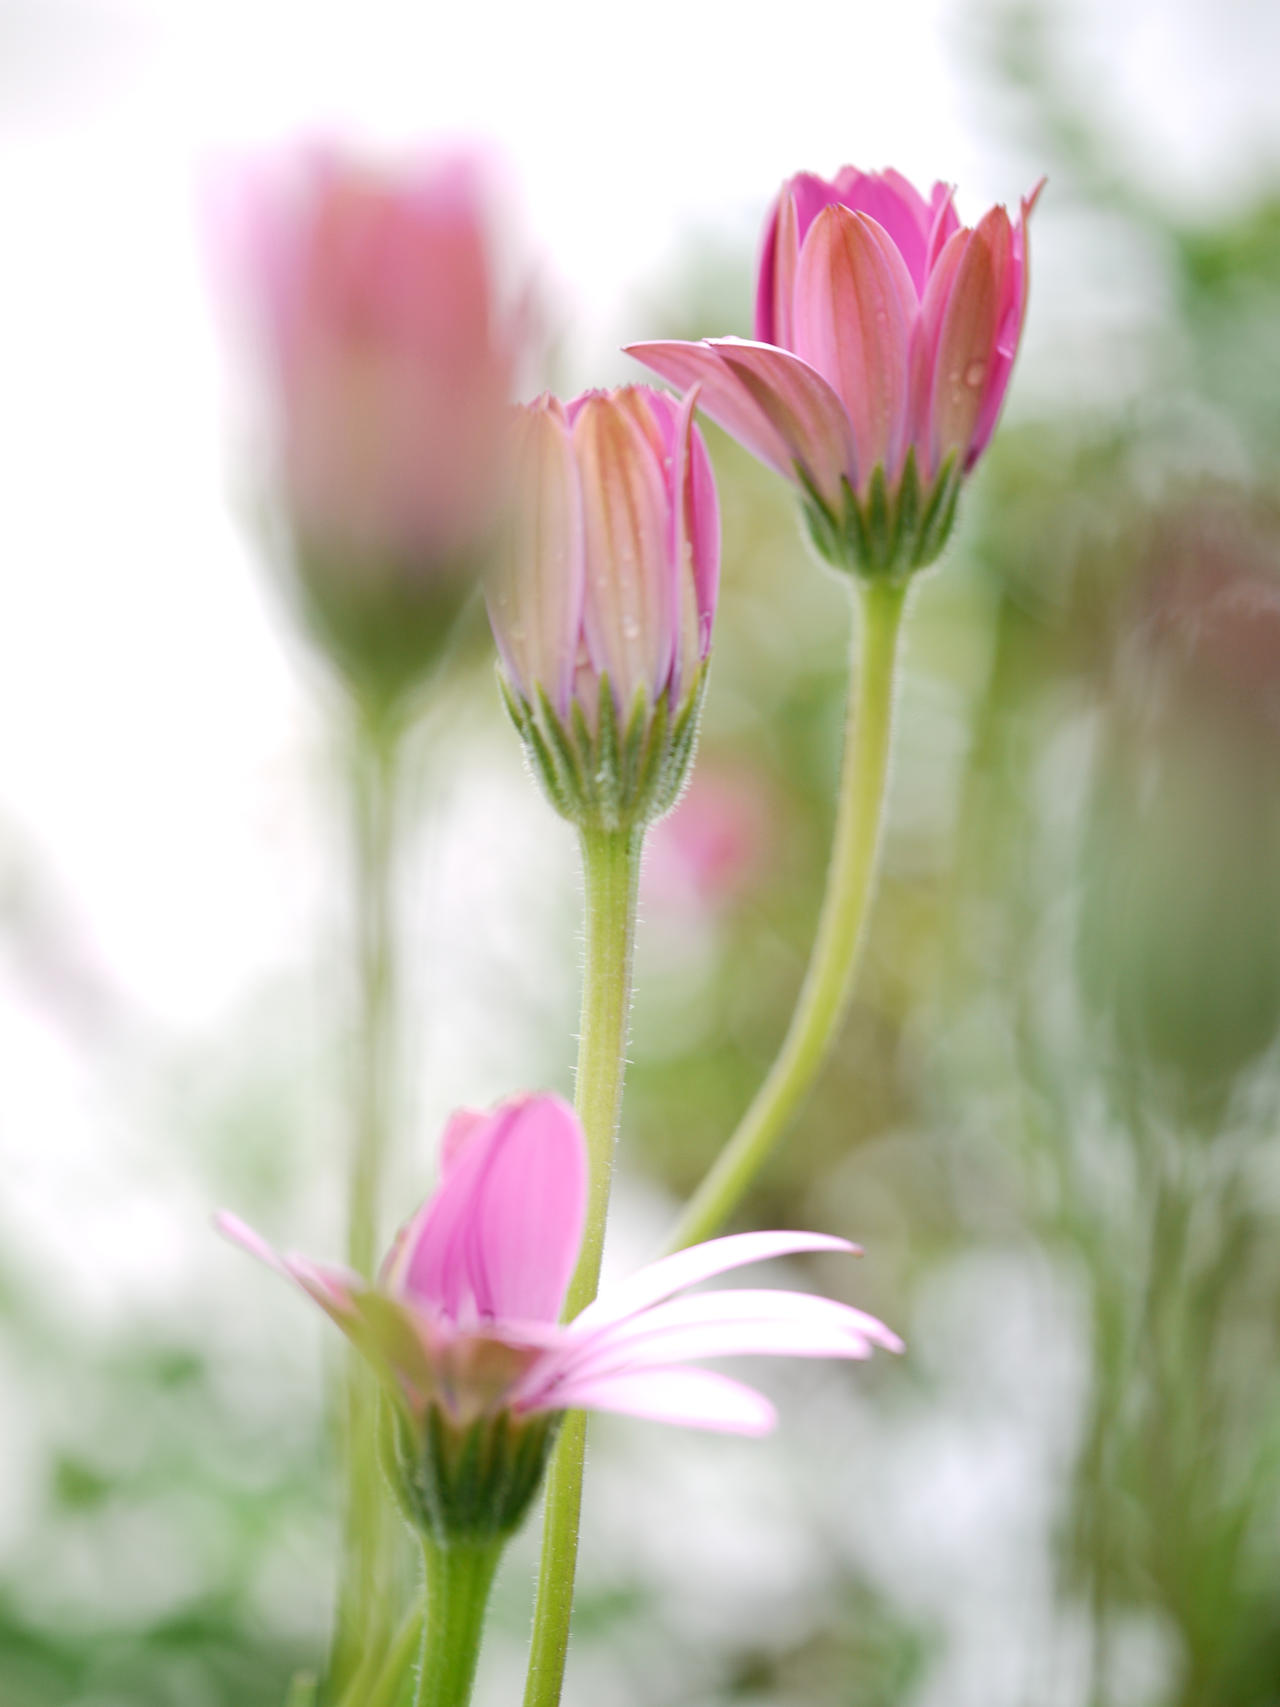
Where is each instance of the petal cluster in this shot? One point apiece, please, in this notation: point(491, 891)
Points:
point(386, 354)
point(613, 561)
point(464, 1322)
point(603, 601)
point(885, 336)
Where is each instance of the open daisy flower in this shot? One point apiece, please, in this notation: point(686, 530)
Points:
point(462, 1325)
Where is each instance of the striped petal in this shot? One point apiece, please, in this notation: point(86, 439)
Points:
point(966, 338)
point(855, 304)
point(630, 608)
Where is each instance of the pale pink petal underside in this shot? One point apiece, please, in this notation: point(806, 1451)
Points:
point(691, 1398)
point(722, 397)
point(804, 410)
point(660, 1279)
point(535, 602)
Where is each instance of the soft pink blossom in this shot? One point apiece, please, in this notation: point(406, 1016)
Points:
point(385, 351)
point(883, 327)
point(613, 560)
point(465, 1314)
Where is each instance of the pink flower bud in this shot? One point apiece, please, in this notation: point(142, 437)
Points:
point(886, 333)
point(386, 360)
point(603, 603)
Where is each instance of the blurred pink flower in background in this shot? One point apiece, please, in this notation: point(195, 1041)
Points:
point(710, 852)
point(464, 1319)
point(386, 351)
point(886, 333)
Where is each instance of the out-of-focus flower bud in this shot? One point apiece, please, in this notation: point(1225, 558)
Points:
point(1180, 903)
point(386, 359)
point(603, 601)
point(886, 333)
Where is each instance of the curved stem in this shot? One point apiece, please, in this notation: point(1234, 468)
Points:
point(611, 866)
point(386, 1686)
point(459, 1578)
point(850, 881)
point(366, 1598)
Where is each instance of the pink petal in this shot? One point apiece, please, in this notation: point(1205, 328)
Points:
point(1012, 314)
point(500, 1238)
point(536, 600)
point(777, 274)
point(808, 415)
point(695, 529)
point(722, 397)
point(897, 206)
point(962, 363)
point(692, 1398)
point(855, 305)
point(335, 1289)
point(629, 611)
point(660, 1279)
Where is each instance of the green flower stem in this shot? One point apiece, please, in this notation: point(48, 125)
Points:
point(459, 1578)
point(611, 868)
point(368, 1569)
point(850, 882)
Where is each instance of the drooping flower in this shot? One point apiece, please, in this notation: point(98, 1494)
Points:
point(885, 336)
point(385, 357)
point(462, 1325)
point(602, 604)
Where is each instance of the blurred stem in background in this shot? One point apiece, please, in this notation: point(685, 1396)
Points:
point(841, 927)
point(367, 1598)
point(611, 869)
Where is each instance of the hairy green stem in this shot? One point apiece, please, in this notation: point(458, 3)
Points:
point(459, 1578)
point(611, 866)
point(850, 882)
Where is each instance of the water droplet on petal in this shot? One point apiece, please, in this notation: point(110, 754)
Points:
point(975, 373)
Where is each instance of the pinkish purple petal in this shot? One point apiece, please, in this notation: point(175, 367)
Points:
point(1012, 313)
point(690, 1398)
point(671, 1274)
point(500, 1238)
point(962, 362)
point(855, 305)
point(897, 206)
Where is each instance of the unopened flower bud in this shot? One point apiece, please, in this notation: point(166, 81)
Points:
point(603, 602)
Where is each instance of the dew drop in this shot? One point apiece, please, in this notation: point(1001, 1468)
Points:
point(975, 373)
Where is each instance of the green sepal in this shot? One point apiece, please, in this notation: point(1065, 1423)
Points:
point(892, 530)
point(465, 1484)
point(616, 775)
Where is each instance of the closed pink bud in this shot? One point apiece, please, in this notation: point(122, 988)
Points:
point(885, 336)
point(386, 359)
point(603, 603)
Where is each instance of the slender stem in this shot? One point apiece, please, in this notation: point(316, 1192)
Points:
point(366, 1585)
point(850, 881)
point(611, 866)
point(459, 1578)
